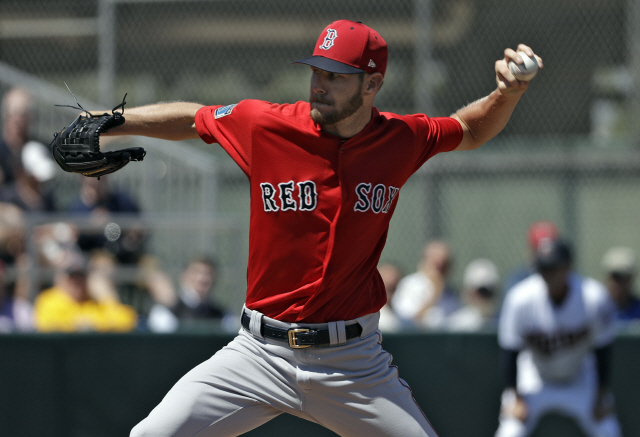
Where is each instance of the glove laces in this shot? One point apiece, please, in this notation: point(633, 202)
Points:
point(79, 107)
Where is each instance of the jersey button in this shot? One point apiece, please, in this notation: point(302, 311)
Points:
point(341, 149)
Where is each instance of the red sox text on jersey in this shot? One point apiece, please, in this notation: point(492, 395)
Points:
point(303, 196)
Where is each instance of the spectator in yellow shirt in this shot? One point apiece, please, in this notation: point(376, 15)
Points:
point(69, 307)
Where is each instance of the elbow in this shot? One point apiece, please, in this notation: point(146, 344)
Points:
point(470, 139)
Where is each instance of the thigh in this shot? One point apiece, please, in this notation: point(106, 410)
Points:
point(606, 427)
point(173, 419)
point(233, 392)
point(365, 396)
point(574, 399)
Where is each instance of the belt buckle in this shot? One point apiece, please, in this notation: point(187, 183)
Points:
point(293, 340)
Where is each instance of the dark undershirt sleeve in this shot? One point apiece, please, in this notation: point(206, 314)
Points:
point(509, 362)
point(603, 364)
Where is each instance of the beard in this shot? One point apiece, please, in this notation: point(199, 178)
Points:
point(335, 115)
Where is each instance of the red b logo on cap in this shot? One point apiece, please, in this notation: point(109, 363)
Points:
point(328, 40)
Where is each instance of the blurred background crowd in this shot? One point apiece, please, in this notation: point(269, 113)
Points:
point(77, 290)
point(78, 287)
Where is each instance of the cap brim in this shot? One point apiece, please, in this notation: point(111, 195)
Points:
point(551, 263)
point(329, 65)
point(547, 265)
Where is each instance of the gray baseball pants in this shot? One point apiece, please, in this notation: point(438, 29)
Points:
point(351, 388)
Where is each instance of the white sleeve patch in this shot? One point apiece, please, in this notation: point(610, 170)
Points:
point(224, 111)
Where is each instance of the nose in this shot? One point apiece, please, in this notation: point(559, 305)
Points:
point(317, 84)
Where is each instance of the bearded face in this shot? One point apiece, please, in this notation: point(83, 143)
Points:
point(334, 97)
point(334, 113)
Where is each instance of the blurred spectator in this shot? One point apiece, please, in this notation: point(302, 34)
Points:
point(12, 233)
point(425, 297)
point(389, 320)
point(69, 306)
point(101, 271)
point(25, 165)
point(480, 291)
point(538, 231)
point(57, 245)
point(156, 282)
point(620, 265)
point(16, 119)
point(16, 311)
point(98, 201)
point(193, 300)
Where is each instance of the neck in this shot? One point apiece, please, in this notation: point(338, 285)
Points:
point(351, 125)
point(559, 295)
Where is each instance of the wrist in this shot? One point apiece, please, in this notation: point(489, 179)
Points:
point(509, 94)
point(511, 393)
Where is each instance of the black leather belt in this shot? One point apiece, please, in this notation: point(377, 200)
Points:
point(300, 337)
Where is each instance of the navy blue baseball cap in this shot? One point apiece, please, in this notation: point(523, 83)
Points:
point(551, 254)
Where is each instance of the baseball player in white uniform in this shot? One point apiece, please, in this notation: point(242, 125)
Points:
point(555, 333)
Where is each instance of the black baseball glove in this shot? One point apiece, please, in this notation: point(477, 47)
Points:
point(76, 148)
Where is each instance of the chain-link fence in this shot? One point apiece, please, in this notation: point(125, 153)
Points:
point(569, 153)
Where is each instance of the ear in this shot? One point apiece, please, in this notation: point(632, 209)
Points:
point(372, 83)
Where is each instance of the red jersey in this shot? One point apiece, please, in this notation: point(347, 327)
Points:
point(320, 204)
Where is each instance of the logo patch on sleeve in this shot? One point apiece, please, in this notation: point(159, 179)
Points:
point(225, 110)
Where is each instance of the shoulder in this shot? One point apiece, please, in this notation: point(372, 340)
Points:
point(432, 135)
point(413, 280)
point(595, 295)
point(21, 306)
point(53, 291)
point(526, 292)
point(592, 290)
point(528, 287)
point(253, 107)
point(256, 113)
point(286, 114)
point(53, 295)
point(410, 290)
point(418, 121)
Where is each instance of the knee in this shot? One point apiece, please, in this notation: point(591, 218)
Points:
point(137, 431)
point(142, 430)
point(152, 426)
point(609, 427)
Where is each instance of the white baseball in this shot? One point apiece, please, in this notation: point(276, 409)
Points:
point(526, 71)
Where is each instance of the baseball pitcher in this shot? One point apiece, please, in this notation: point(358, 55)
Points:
point(325, 177)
